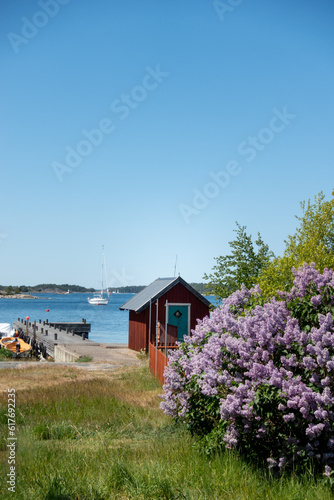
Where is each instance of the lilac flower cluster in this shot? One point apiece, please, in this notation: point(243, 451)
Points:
point(263, 371)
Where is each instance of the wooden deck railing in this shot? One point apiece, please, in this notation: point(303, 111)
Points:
point(170, 339)
point(157, 362)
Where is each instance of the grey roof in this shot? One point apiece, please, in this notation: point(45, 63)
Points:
point(155, 290)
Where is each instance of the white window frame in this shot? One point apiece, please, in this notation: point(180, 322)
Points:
point(179, 304)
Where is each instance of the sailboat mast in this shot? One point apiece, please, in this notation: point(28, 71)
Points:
point(105, 270)
point(175, 266)
point(102, 268)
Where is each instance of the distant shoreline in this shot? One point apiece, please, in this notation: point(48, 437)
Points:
point(20, 296)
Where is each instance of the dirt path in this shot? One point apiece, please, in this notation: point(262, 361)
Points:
point(27, 375)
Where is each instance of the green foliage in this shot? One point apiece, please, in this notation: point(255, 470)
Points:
point(5, 354)
point(52, 287)
point(204, 412)
point(242, 267)
point(84, 359)
point(313, 241)
point(129, 450)
point(128, 289)
point(200, 287)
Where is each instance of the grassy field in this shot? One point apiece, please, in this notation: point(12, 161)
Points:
point(5, 355)
point(101, 435)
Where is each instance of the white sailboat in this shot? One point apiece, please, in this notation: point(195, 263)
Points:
point(101, 298)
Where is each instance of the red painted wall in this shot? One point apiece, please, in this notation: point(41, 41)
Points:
point(139, 323)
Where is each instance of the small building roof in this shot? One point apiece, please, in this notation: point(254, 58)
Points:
point(155, 290)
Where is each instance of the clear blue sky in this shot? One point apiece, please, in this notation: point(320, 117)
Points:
point(152, 126)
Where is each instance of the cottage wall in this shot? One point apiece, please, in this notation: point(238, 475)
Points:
point(139, 322)
point(137, 331)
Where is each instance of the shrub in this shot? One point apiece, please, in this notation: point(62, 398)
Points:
point(5, 354)
point(84, 359)
point(258, 376)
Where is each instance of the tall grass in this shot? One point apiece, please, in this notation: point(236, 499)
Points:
point(107, 439)
point(5, 354)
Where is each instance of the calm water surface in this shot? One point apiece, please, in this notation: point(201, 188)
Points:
point(108, 323)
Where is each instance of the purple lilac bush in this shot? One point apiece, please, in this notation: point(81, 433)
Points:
point(258, 376)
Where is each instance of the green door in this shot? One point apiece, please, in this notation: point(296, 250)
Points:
point(178, 316)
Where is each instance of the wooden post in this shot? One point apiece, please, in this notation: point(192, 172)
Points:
point(166, 312)
point(156, 337)
point(149, 331)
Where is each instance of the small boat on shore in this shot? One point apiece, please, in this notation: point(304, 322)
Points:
point(6, 330)
point(17, 346)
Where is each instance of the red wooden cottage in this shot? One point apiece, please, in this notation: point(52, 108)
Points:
point(163, 312)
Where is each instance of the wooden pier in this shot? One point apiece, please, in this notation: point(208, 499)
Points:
point(45, 336)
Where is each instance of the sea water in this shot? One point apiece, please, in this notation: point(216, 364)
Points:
point(108, 323)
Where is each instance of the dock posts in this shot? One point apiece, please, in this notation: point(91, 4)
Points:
point(83, 336)
point(55, 336)
point(46, 332)
point(34, 327)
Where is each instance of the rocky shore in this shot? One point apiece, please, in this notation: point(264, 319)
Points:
point(19, 296)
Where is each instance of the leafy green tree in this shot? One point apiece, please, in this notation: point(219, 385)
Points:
point(313, 241)
point(9, 290)
point(243, 266)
